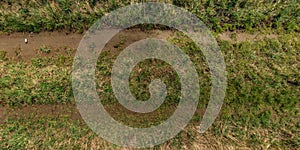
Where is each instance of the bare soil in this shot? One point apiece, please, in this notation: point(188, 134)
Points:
point(70, 111)
point(16, 42)
point(36, 111)
point(15, 46)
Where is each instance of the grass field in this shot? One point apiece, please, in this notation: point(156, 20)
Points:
point(259, 41)
point(219, 15)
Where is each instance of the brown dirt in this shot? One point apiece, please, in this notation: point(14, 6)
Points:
point(36, 111)
point(15, 43)
point(70, 111)
point(57, 41)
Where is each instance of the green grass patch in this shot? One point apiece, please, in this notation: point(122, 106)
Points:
point(260, 108)
point(78, 15)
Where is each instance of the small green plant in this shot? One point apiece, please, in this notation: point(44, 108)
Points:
point(3, 55)
point(18, 52)
point(233, 36)
point(120, 43)
point(45, 49)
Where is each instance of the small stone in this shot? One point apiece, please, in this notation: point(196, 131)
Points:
point(26, 41)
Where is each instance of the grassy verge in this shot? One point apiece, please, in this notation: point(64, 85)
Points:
point(261, 107)
point(219, 15)
point(63, 133)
